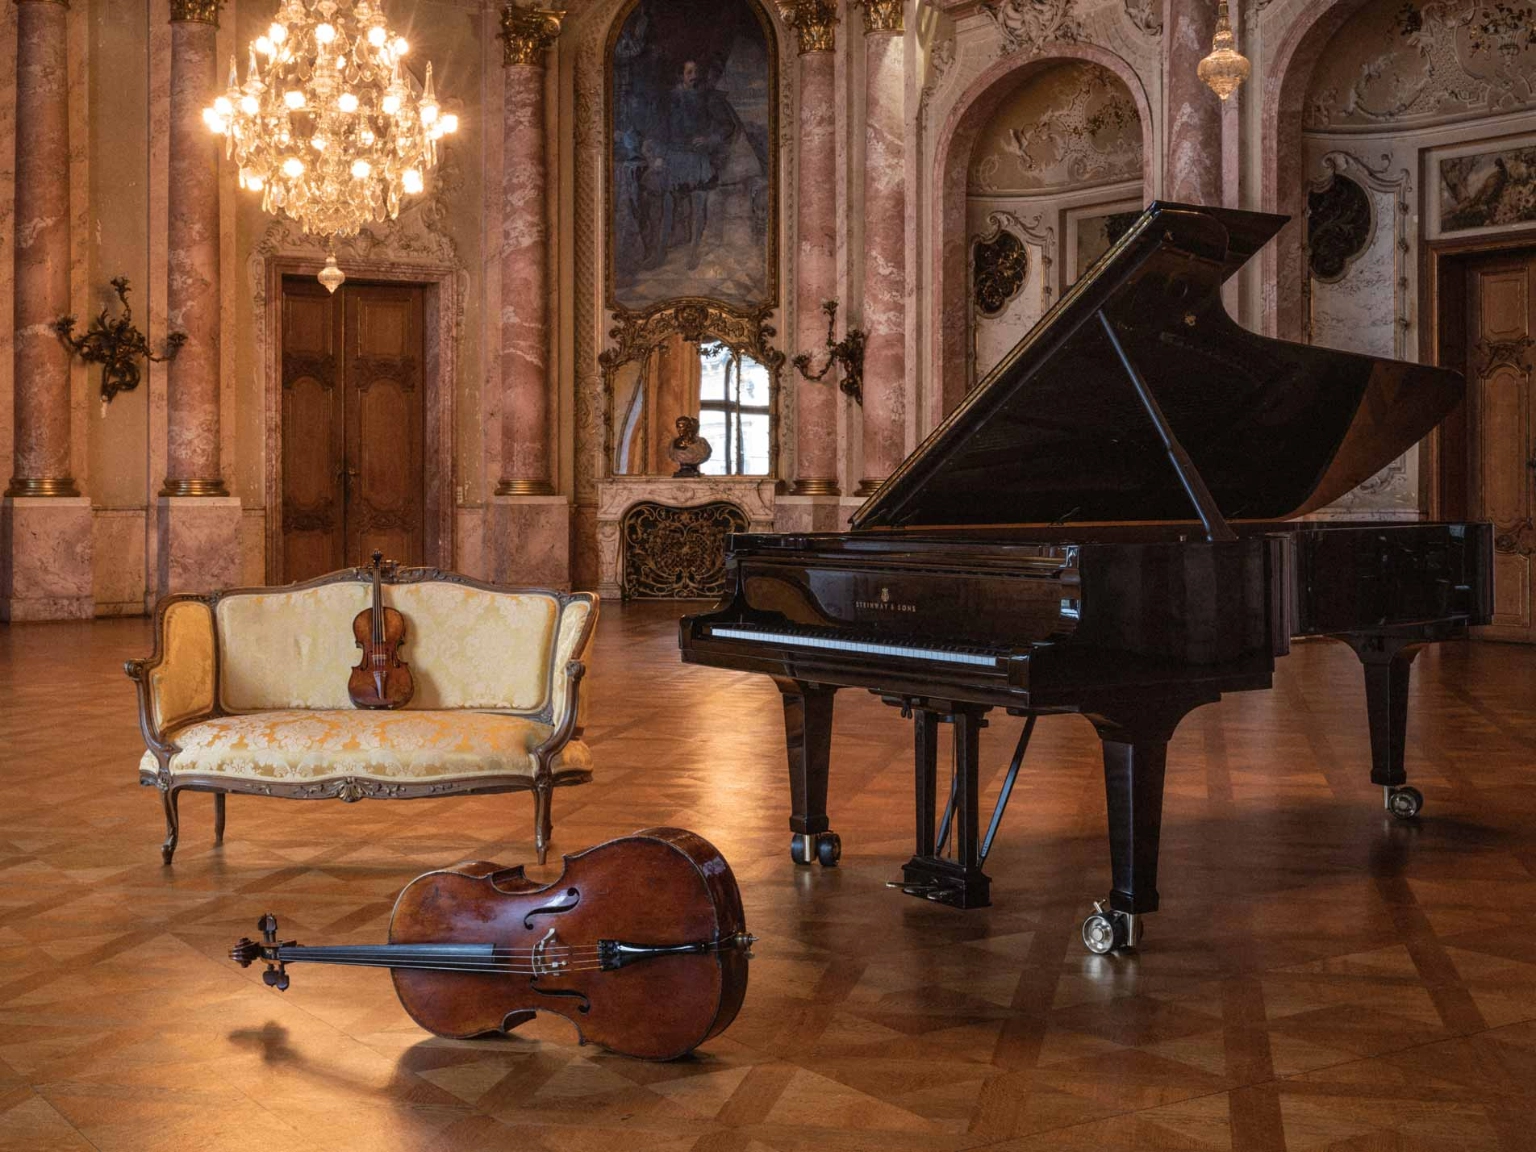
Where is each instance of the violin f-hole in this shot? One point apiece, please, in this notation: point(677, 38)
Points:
point(561, 903)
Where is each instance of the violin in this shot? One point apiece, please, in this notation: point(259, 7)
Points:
point(381, 679)
point(641, 944)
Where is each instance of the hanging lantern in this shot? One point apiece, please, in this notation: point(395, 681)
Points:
point(1225, 68)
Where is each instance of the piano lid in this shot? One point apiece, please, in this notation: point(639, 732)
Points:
point(1057, 433)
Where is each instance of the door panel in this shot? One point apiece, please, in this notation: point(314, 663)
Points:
point(313, 514)
point(1502, 325)
point(352, 426)
point(384, 417)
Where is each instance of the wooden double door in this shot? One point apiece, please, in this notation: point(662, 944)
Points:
point(352, 426)
point(1501, 426)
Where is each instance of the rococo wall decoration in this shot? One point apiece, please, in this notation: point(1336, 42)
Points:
point(692, 190)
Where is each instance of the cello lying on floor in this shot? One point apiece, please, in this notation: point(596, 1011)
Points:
point(641, 943)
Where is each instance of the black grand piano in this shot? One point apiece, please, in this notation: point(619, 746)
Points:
point(1105, 525)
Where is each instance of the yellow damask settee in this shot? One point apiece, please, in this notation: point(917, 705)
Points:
point(246, 691)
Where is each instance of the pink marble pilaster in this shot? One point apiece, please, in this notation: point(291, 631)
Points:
point(1192, 167)
point(816, 263)
point(42, 252)
point(192, 287)
point(525, 430)
point(884, 312)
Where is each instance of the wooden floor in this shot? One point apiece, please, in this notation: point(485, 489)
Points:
point(1321, 977)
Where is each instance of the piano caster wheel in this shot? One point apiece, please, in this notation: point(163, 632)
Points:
point(1105, 932)
point(829, 849)
point(823, 847)
point(1404, 802)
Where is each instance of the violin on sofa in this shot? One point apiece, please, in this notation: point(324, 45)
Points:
point(641, 944)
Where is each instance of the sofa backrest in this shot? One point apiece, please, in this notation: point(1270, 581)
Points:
point(467, 647)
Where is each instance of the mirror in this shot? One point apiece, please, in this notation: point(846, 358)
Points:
point(729, 386)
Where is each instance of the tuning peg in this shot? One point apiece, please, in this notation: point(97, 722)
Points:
point(267, 926)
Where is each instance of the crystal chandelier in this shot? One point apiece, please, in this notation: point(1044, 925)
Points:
point(1225, 68)
point(329, 126)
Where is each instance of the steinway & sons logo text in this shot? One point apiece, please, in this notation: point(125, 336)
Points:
point(884, 604)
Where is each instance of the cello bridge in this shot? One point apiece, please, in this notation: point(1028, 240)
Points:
point(550, 958)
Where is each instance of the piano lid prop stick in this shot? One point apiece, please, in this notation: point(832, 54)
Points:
point(1216, 527)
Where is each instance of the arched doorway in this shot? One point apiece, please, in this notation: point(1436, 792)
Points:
point(1035, 159)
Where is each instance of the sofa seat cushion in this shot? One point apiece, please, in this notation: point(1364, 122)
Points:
point(310, 745)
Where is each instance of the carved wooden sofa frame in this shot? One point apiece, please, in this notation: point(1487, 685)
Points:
point(163, 716)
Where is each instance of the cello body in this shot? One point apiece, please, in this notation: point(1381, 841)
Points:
point(641, 944)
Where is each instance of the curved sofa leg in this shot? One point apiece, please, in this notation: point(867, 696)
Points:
point(542, 824)
point(169, 797)
point(218, 817)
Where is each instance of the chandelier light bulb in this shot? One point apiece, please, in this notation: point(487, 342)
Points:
point(390, 104)
point(250, 105)
point(222, 105)
point(318, 143)
point(293, 167)
point(400, 47)
point(277, 33)
point(366, 137)
point(361, 169)
point(325, 33)
point(428, 113)
point(265, 46)
point(411, 181)
point(449, 123)
point(294, 99)
point(377, 36)
point(347, 102)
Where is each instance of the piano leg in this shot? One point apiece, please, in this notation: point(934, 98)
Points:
point(808, 737)
point(1388, 663)
point(1135, 762)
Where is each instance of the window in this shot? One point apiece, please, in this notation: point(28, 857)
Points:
point(734, 412)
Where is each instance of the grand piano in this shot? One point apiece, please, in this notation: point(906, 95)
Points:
point(1107, 524)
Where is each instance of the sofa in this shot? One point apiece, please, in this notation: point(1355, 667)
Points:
point(246, 692)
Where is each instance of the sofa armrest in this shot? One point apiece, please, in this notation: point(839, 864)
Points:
point(567, 721)
point(178, 682)
point(573, 644)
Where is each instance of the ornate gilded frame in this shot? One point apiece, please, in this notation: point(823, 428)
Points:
point(349, 789)
point(771, 289)
point(697, 320)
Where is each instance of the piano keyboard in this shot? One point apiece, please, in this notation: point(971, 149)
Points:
point(835, 642)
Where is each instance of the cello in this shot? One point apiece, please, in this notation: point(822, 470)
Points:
point(381, 679)
point(641, 944)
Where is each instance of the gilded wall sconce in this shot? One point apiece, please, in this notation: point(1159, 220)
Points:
point(116, 345)
point(848, 353)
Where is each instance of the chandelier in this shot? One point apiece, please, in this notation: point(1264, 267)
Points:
point(329, 126)
point(1225, 68)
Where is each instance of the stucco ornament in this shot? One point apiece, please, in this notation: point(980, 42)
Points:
point(1028, 25)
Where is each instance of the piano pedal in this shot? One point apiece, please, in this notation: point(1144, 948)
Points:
point(925, 891)
point(1403, 801)
point(1106, 932)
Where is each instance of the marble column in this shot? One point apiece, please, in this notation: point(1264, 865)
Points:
point(815, 24)
point(1192, 151)
point(45, 524)
point(885, 259)
point(199, 522)
point(530, 542)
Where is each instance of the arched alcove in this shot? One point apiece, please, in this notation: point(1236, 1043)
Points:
point(1055, 176)
point(1001, 101)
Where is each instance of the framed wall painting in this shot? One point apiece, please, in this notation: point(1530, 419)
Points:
point(692, 190)
point(1481, 188)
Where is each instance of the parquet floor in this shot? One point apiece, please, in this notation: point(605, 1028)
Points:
point(1320, 978)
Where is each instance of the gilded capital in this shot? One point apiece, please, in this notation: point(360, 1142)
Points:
point(883, 15)
point(195, 11)
point(527, 33)
point(814, 21)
